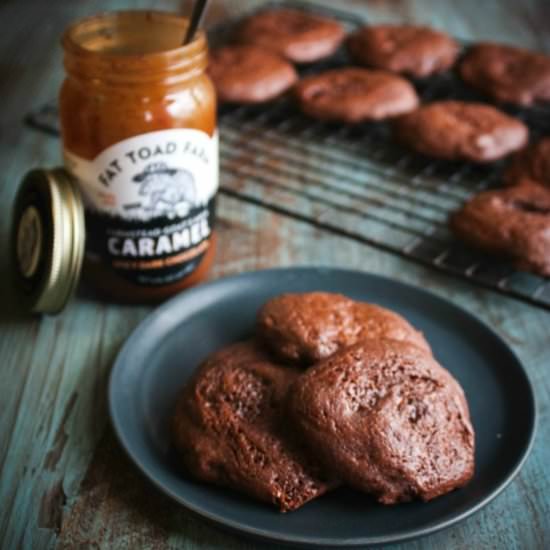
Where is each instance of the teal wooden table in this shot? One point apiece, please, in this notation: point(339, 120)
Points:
point(64, 481)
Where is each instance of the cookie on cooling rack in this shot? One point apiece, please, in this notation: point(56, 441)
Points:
point(508, 74)
point(388, 420)
point(354, 95)
point(305, 328)
point(247, 74)
point(456, 130)
point(229, 429)
point(532, 163)
point(407, 49)
point(512, 222)
point(299, 36)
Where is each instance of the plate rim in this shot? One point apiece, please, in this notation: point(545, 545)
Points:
point(312, 542)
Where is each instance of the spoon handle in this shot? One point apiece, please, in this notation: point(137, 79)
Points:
point(196, 16)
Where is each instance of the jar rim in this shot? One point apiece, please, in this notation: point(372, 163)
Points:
point(107, 21)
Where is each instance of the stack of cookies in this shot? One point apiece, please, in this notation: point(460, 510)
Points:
point(330, 392)
point(259, 66)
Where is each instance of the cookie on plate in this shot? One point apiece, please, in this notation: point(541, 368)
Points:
point(354, 95)
point(512, 222)
point(408, 49)
point(229, 429)
point(456, 130)
point(508, 74)
point(299, 36)
point(247, 74)
point(531, 163)
point(305, 328)
point(388, 420)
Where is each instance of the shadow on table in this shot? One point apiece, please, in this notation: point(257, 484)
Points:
point(116, 506)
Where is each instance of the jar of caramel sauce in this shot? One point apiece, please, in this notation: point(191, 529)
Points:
point(138, 125)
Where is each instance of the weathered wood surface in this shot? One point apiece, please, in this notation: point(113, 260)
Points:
point(63, 479)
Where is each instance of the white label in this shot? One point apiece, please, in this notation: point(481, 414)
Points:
point(160, 174)
point(150, 203)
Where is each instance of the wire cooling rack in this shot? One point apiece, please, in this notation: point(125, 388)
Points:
point(354, 180)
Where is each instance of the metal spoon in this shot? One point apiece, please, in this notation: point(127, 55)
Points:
point(196, 16)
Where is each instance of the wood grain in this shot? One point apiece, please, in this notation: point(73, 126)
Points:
point(63, 479)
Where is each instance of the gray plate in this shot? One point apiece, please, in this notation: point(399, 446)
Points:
point(164, 350)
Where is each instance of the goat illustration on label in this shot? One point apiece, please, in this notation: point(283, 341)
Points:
point(167, 191)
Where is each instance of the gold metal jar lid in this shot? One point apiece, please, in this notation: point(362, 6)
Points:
point(48, 239)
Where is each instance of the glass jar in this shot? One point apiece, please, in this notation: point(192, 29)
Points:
point(138, 125)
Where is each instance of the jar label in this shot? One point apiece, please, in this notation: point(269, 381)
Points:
point(150, 203)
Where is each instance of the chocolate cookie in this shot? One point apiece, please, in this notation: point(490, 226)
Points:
point(229, 429)
point(513, 222)
point(388, 420)
point(305, 328)
point(532, 163)
point(299, 36)
point(354, 95)
point(507, 73)
point(407, 49)
point(246, 74)
point(456, 130)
